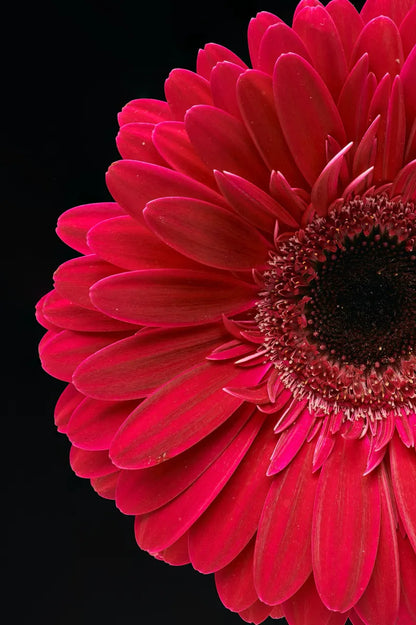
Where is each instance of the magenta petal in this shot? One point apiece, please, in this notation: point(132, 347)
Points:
point(407, 30)
point(222, 143)
point(408, 576)
point(135, 183)
point(207, 233)
point(305, 607)
point(116, 241)
point(137, 365)
point(178, 415)
point(395, 10)
point(231, 520)
point(347, 505)
point(348, 22)
point(74, 224)
point(279, 39)
point(356, 89)
point(105, 485)
point(157, 530)
point(257, 28)
point(184, 89)
point(407, 76)
point(94, 423)
point(134, 141)
point(381, 39)
point(172, 297)
point(303, 101)
point(223, 82)
point(90, 463)
point(145, 490)
point(403, 474)
point(256, 613)
point(144, 110)
point(282, 560)
point(379, 604)
point(68, 401)
point(211, 55)
point(234, 582)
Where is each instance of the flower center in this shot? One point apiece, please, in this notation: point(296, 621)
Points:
point(338, 311)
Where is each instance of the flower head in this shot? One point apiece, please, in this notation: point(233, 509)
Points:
point(238, 334)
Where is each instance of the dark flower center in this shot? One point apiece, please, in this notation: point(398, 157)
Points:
point(338, 310)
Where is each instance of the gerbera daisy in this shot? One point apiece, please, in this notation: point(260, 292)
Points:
point(238, 334)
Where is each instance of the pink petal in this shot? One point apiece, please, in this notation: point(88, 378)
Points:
point(157, 530)
point(134, 141)
point(213, 53)
point(178, 415)
point(407, 76)
point(222, 143)
point(407, 30)
point(395, 138)
point(135, 183)
point(408, 575)
point(125, 242)
point(67, 315)
point(355, 89)
point(234, 582)
point(290, 442)
point(169, 297)
point(90, 463)
point(172, 141)
point(279, 39)
point(347, 505)
point(253, 204)
point(318, 32)
point(184, 89)
point(144, 110)
point(74, 278)
point(61, 355)
point(348, 22)
point(403, 475)
point(256, 101)
point(226, 527)
point(305, 607)
point(325, 190)
point(257, 28)
point(286, 196)
point(145, 490)
point(137, 365)
point(223, 82)
point(282, 560)
point(379, 604)
point(94, 423)
point(207, 233)
point(395, 10)
point(74, 224)
point(68, 401)
point(303, 101)
point(381, 39)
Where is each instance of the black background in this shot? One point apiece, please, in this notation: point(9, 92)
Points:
point(68, 68)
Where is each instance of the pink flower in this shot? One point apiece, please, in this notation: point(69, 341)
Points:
point(238, 334)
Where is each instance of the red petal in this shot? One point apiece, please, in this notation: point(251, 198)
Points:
point(172, 297)
point(68, 401)
point(407, 30)
point(74, 278)
point(348, 22)
point(134, 141)
point(172, 141)
point(157, 530)
point(256, 100)
point(303, 101)
point(74, 224)
point(306, 608)
point(178, 415)
point(256, 29)
point(403, 475)
point(235, 582)
point(226, 527)
point(207, 233)
point(145, 490)
point(222, 143)
point(320, 35)
point(135, 183)
point(105, 485)
point(212, 54)
point(223, 81)
point(379, 604)
point(256, 613)
point(66, 315)
point(356, 89)
point(325, 190)
point(395, 132)
point(176, 554)
point(184, 89)
point(282, 561)
point(135, 366)
point(279, 39)
point(407, 76)
point(391, 8)
point(90, 463)
point(347, 505)
point(127, 243)
point(61, 355)
point(144, 110)
point(381, 39)
point(408, 575)
point(94, 423)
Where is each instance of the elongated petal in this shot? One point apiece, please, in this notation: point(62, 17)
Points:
point(223, 82)
point(257, 28)
point(403, 473)
point(184, 89)
point(347, 506)
point(305, 607)
point(178, 415)
point(68, 401)
point(90, 463)
point(279, 39)
point(231, 520)
point(134, 141)
point(171, 297)
point(145, 110)
point(235, 581)
point(207, 233)
point(304, 105)
point(137, 365)
point(408, 574)
point(161, 528)
point(395, 10)
point(73, 225)
point(348, 22)
point(380, 38)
